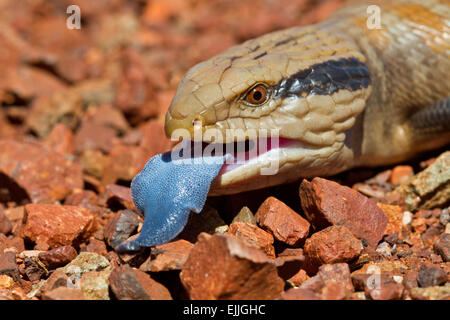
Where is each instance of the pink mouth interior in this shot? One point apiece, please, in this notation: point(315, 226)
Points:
point(247, 155)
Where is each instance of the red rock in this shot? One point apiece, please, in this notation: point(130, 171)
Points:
point(224, 267)
point(8, 264)
point(164, 99)
point(68, 63)
point(423, 213)
point(63, 293)
point(410, 280)
point(332, 245)
point(169, 256)
point(123, 163)
point(31, 82)
point(442, 247)
point(119, 194)
point(133, 259)
point(5, 225)
point(378, 286)
point(113, 259)
point(57, 278)
point(395, 267)
point(282, 222)
point(333, 281)
point(402, 250)
point(338, 272)
point(57, 225)
point(289, 262)
point(96, 246)
point(435, 258)
point(253, 236)
point(94, 163)
point(108, 116)
point(93, 136)
point(121, 226)
point(431, 275)
point(419, 225)
point(300, 294)
point(369, 191)
point(15, 216)
point(25, 285)
point(299, 278)
point(395, 219)
point(6, 129)
point(327, 203)
point(132, 137)
point(388, 291)
point(16, 244)
point(432, 234)
point(154, 140)
point(83, 198)
point(45, 175)
point(362, 280)
point(135, 87)
point(130, 284)
point(58, 257)
point(60, 139)
point(334, 291)
point(158, 12)
point(437, 213)
point(400, 174)
point(313, 283)
point(380, 178)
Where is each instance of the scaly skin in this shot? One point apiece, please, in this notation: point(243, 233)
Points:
point(356, 124)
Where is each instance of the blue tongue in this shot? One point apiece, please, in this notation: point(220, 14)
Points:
point(166, 190)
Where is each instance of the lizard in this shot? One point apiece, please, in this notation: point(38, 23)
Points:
point(339, 94)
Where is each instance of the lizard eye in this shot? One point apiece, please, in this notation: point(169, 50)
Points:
point(257, 95)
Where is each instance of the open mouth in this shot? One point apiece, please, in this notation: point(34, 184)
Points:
point(242, 151)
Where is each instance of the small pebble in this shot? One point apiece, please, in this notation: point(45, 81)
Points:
point(444, 219)
point(442, 247)
point(384, 249)
point(431, 275)
point(245, 215)
point(221, 229)
point(407, 218)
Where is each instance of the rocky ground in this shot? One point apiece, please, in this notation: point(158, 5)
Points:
point(81, 111)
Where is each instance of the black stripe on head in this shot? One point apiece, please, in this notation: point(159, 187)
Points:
point(325, 78)
point(260, 55)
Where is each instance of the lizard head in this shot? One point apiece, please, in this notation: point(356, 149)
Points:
point(283, 102)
